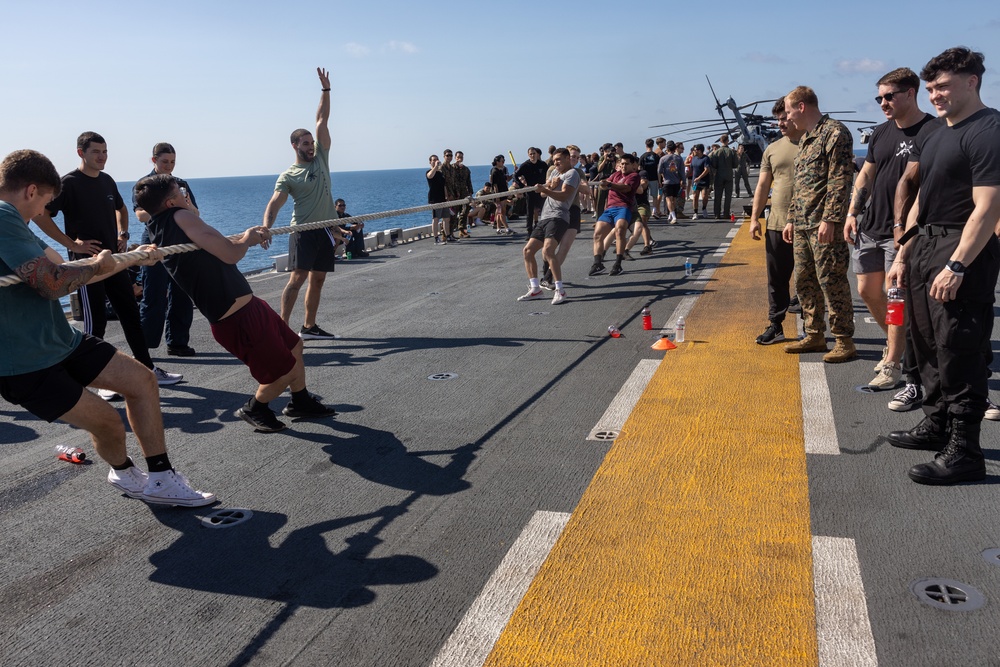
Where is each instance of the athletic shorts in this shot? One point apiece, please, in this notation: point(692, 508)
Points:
point(52, 392)
point(612, 215)
point(311, 250)
point(871, 256)
point(574, 218)
point(699, 186)
point(644, 210)
point(442, 213)
point(672, 189)
point(549, 228)
point(255, 335)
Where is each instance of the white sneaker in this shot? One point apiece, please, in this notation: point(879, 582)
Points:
point(888, 377)
point(173, 488)
point(558, 297)
point(885, 354)
point(530, 296)
point(164, 378)
point(109, 394)
point(131, 481)
point(992, 411)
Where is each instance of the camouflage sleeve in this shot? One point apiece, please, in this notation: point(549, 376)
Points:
point(794, 214)
point(839, 147)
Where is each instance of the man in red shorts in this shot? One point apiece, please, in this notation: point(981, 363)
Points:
point(241, 323)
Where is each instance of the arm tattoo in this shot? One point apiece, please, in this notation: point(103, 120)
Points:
point(51, 280)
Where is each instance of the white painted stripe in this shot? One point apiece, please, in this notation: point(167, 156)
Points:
point(683, 309)
point(843, 630)
point(817, 411)
point(733, 232)
point(471, 642)
point(721, 250)
point(624, 402)
point(870, 320)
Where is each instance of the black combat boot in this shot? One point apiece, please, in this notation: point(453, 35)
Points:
point(929, 434)
point(961, 460)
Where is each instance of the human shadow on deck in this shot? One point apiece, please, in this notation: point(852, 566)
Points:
point(383, 347)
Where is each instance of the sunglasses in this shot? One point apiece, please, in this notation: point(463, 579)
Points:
point(888, 96)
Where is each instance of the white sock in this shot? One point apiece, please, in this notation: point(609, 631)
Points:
point(559, 286)
point(533, 284)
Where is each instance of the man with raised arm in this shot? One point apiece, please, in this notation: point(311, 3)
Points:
point(241, 323)
point(45, 364)
point(311, 253)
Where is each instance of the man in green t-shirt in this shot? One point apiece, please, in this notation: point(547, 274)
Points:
point(310, 253)
point(45, 364)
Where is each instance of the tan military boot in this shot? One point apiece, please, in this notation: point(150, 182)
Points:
point(842, 351)
point(813, 342)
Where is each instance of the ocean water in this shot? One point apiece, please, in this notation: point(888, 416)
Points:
point(233, 204)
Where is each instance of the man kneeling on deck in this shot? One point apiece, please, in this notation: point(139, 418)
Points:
point(241, 323)
point(45, 363)
point(554, 220)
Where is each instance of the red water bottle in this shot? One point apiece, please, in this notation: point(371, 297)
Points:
point(647, 319)
point(70, 454)
point(614, 332)
point(894, 312)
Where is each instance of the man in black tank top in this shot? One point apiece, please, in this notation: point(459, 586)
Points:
point(243, 324)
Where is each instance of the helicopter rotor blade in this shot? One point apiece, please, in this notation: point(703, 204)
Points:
point(687, 122)
point(753, 104)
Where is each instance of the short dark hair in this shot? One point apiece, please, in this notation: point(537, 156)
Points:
point(163, 148)
point(338, 202)
point(619, 145)
point(779, 107)
point(560, 151)
point(902, 77)
point(152, 191)
point(84, 140)
point(671, 146)
point(957, 60)
point(649, 143)
point(628, 157)
point(298, 134)
point(27, 167)
point(498, 158)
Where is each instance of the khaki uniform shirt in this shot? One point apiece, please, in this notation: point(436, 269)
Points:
point(779, 161)
point(824, 171)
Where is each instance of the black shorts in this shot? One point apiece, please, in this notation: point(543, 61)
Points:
point(574, 218)
point(671, 189)
point(550, 228)
point(52, 392)
point(311, 250)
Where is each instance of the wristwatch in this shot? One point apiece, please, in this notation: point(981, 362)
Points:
point(123, 235)
point(955, 267)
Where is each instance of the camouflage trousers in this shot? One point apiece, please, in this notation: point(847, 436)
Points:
point(821, 281)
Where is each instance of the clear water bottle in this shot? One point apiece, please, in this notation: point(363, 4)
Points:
point(688, 267)
point(647, 319)
point(679, 330)
point(70, 454)
point(894, 312)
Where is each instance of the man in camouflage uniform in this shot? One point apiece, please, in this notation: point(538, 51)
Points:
point(724, 165)
point(824, 169)
point(458, 184)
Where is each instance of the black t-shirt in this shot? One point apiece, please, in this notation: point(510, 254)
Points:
point(88, 205)
point(532, 172)
point(953, 160)
point(180, 183)
point(889, 149)
point(498, 178)
point(648, 162)
point(212, 284)
point(435, 188)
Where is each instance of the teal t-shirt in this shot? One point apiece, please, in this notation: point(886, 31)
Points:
point(310, 189)
point(33, 329)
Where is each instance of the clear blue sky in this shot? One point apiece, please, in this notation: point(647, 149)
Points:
point(226, 82)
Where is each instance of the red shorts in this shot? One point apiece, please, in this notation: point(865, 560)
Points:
point(260, 339)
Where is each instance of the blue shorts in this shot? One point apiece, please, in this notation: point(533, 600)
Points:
point(612, 215)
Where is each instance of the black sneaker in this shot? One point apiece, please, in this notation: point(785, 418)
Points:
point(909, 397)
point(616, 269)
point(774, 333)
point(597, 269)
point(795, 307)
point(310, 408)
point(262, 419)
point(315, 333)
point(547, 284)
point(646, 250)
point(180, 351)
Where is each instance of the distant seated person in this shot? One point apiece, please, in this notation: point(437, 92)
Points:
point(241, 323)
point(354, 231)
point(482, 210)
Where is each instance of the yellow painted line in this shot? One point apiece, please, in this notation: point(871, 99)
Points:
point(692, 544)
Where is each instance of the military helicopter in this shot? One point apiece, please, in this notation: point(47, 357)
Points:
point(753, 131)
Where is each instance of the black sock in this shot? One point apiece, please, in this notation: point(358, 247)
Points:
point(253, 405)
point(125, 466)
point(301, 397)
point(158, 463)
point(619, 258)
point(598, 259)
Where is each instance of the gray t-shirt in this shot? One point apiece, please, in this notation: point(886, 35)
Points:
point(553, 208)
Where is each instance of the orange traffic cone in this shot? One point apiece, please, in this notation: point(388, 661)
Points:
point(663, 344)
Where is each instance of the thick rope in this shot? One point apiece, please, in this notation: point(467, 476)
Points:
point(14, 279)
